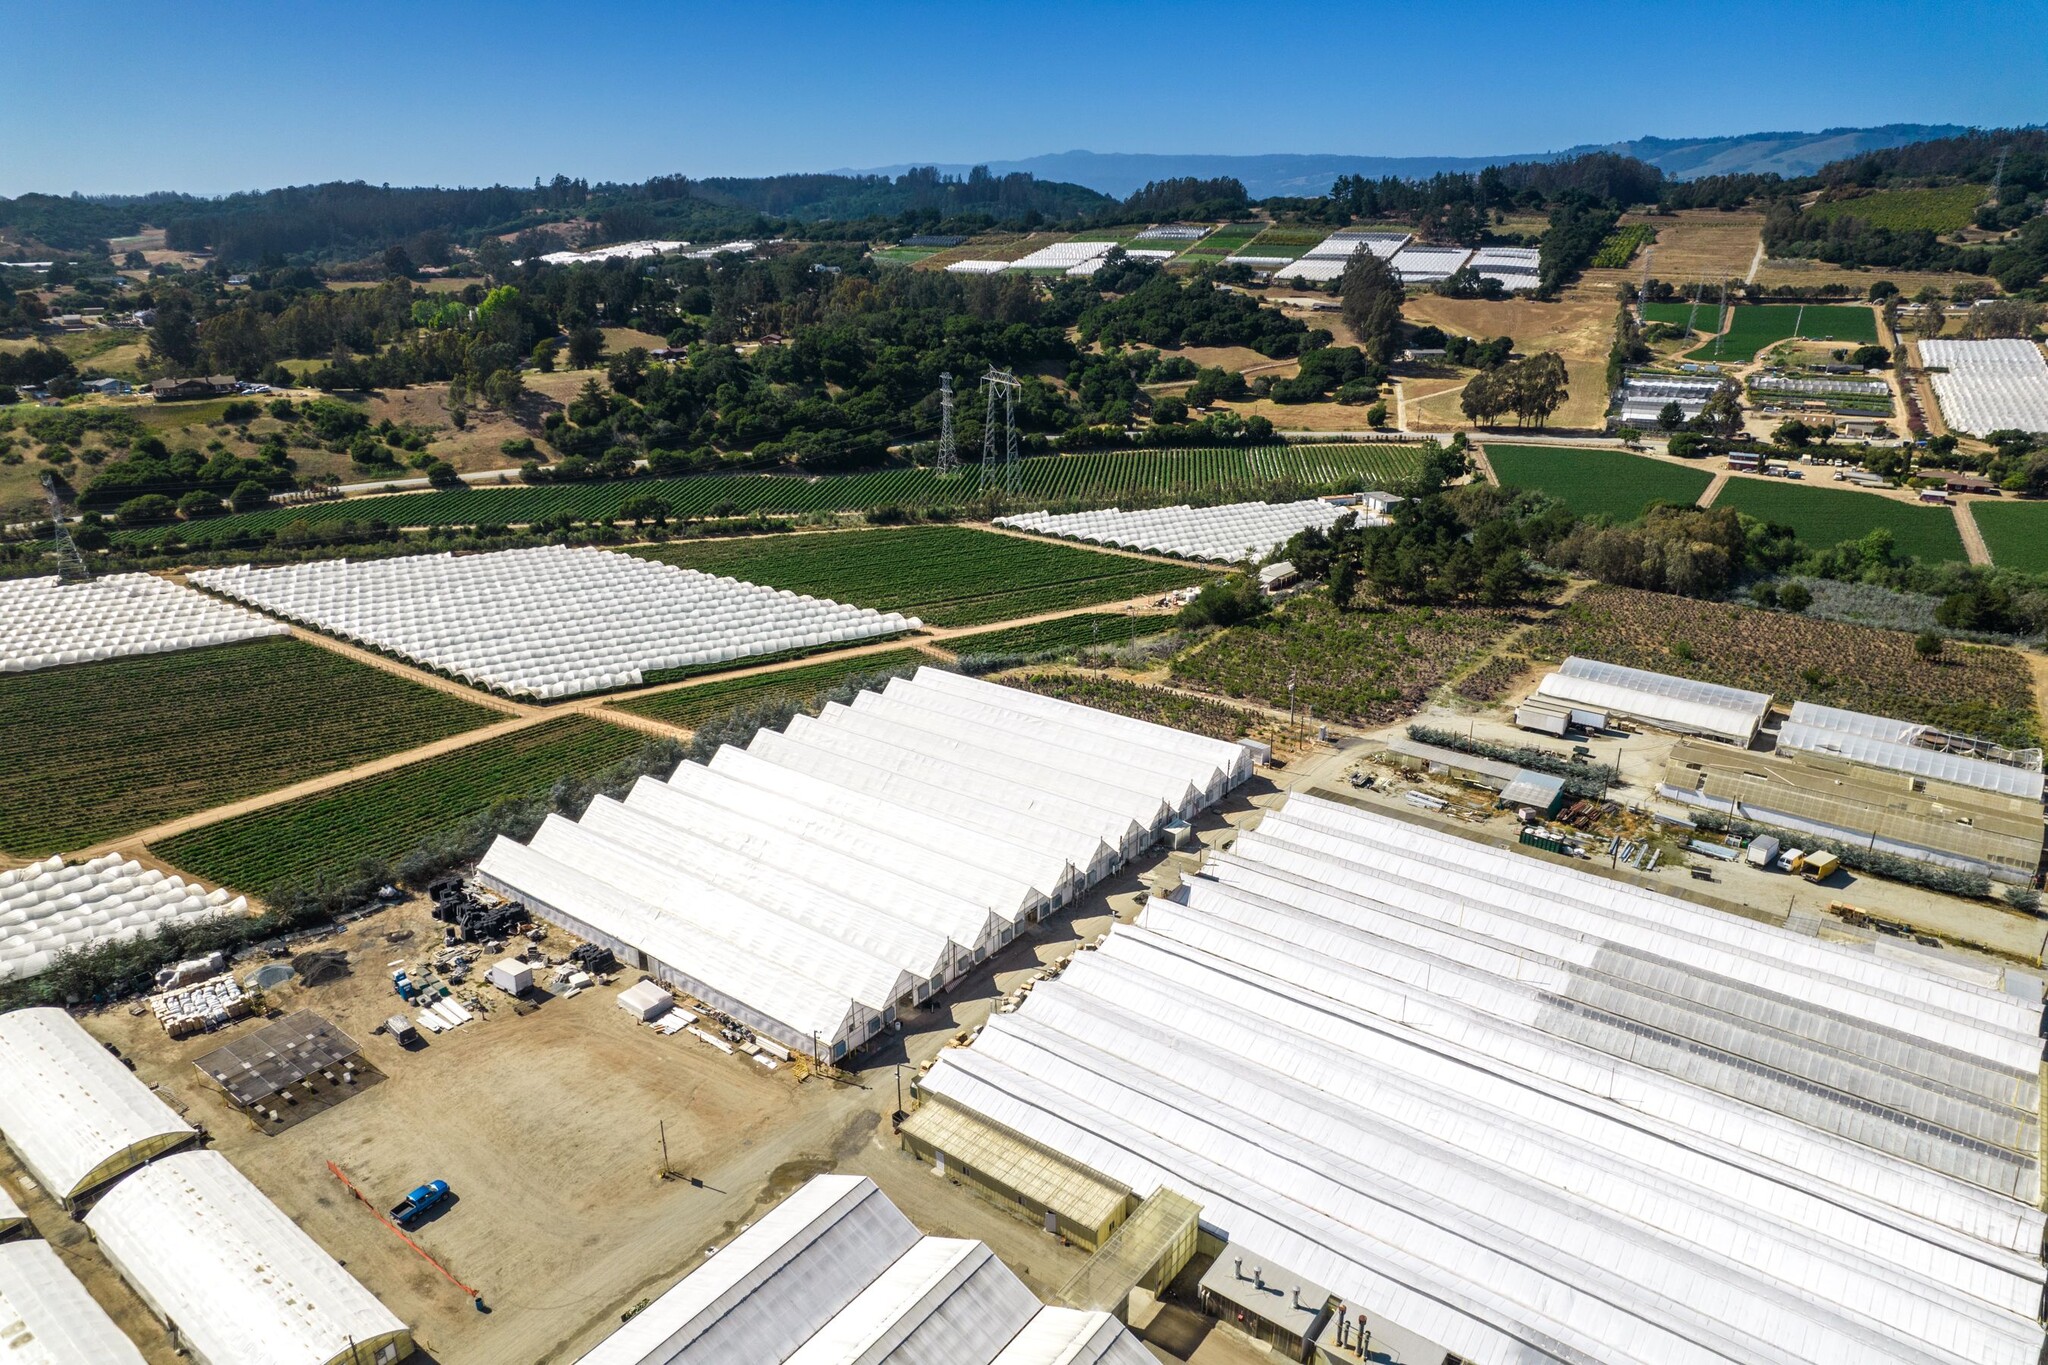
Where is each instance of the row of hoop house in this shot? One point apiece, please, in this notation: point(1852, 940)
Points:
point(823, 878)
point(1534, 1115)
point(834, 1274)
point(47, 623)
point(200, 1244)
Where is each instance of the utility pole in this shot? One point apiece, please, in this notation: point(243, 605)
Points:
point(665, 1169)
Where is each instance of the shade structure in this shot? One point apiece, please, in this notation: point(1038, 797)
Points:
point(1986, 386)
point(75, 1116)
point(205, 1249)
point(552, 621)
point(48, 1318)
point(835, 1274)
point(1534, 1115)
point(1881, 742)
point(54, 907)
point(1227, 534)
point(825, 878)
point(46, 623)
point(1683, 705)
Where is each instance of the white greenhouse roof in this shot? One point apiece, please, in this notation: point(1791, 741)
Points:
point(73, 1114)
point(53, 907)
point(245, 1285)
point(1227, 534)
point(552, 621)
point(835, 1275)
point(45, 623)
point(1906, 733)
point(871, 854)
point(1679, 704)
point(1989, 385)
point(48, 1318)
point(1536, 1115)
point(1959, 769)
point(11, 1215)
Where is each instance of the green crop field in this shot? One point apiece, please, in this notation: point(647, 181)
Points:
point(2015, 532)
point(1756, 326)
point(1704, 317)
point(690, 707)
point(1101, 479)
point(103, 749)
point(947, 575)
point(1948, 209)
point(1597, 483)
point(1063, 633)
point(1621, 245)
point(1828, 516)
point(387, 816)
point(902, 255)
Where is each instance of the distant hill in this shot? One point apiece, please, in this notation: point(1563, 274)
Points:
point(1787, 154)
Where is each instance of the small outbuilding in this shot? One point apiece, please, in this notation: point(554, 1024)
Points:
point(511, 976)
point(647, 1001)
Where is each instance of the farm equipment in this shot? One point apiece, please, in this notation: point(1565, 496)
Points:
point(415, 1205)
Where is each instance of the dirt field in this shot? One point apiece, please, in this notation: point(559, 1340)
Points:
point(1700, 244)
point(1579, 327)
point(1814, 274)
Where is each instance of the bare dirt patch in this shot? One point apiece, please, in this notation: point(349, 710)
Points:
point(1700, 244)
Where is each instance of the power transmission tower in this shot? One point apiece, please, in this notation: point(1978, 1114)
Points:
point(949, 454)
point(70, 564)
point(1004, 477)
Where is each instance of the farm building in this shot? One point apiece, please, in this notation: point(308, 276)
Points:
point(1517, 786)
point(829, 876)
point(76, 1117)
point(48, 1318)
point(1872, 782)
point(206, 1250)
point(835, 1273)
point(1680, 705)
point(1466, 1097)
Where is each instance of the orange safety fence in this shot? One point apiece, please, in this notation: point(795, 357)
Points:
point(417, 1248)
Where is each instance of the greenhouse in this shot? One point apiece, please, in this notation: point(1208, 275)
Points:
point(549, 622)
point(74, 1115)
point(46, 623)
point(12, 1219)
point(835, 1273)
point(48, 1318)
point(1474, 1096)
point(54, 907)
point(206, 1250)
point(1986, 386)
point(827, 877)
point(1681, 705)
point(1428, 264)
point(1229, 534)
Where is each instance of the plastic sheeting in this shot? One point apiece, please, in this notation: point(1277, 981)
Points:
point(48, 1318)
point(53, 907)
point(1679, 704)
point(244, 1284)
point(1986, 386)
point(75, 1116)
point(1228, 534)
point(1366, 1066)
point(552, 621)
point(46, 623)
point(1884, 743)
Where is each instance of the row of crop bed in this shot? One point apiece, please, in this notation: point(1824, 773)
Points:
point(1159, 705)
point(384, 817)
point(1062, 634)
point(1364, 667)
point(1828, 516)
point(1981, 690)
point(1597, 483)
point(1102, 476)
point(690, 707)
point(1752, 327)
point(2016, 533)
point(947, 575)
point(103, 749)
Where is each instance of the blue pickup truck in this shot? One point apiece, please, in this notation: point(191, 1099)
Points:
point(428, 1196)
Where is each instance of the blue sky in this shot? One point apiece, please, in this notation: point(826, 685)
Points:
point(215, 97)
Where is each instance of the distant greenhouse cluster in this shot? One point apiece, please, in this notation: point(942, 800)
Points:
point(1986, 386)
point(55, 907)
point(1228, 534)
point(634, 251)
point(46, 623)
point(552, 621)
